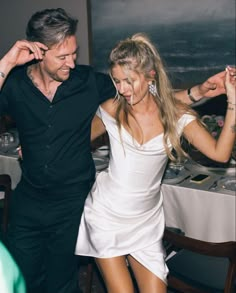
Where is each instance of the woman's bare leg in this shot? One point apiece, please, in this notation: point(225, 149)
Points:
point(146, 280)
point(116, 274)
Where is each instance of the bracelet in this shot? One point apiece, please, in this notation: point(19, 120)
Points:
point(231, 108)
point(190, 96)
point(2, 74)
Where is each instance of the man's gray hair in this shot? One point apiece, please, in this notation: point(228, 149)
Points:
point(50, 26)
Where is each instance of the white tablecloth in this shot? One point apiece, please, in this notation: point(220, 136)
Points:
point(201, 214)
point(10, 165)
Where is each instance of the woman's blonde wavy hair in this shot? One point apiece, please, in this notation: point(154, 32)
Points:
point(139, 55)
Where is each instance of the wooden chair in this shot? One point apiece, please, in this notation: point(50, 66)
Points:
point(5, 184)
point(200, 266)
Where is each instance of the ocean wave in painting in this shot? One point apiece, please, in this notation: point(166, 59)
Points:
point(195, 68)
point(191, 51)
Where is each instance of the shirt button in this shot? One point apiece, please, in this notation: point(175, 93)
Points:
point(49, 125)
point(48, 146)
point(51, 106)
point(45, 166)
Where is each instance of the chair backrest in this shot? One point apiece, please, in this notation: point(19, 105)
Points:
point(5, 183)
point(219, 250)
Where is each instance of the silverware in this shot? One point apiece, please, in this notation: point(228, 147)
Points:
point(214, 184)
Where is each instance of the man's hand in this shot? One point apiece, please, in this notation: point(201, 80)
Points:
point(214, 85)
point(24, 51)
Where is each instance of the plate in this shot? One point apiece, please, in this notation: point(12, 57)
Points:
point(102, 151)
point(9, 152)
point(101, 163)
point(193, 166)
point(227, 184)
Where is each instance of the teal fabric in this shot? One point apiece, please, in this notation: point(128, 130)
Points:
point(11, 279)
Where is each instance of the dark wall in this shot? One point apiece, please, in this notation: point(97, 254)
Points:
point(14, 15)
point(215, 106)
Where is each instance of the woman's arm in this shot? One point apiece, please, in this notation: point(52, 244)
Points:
point(221, 149)
point(97, 128)
point(212, 87)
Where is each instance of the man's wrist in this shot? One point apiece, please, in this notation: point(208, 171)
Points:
point(191, 97)
point(5, 67)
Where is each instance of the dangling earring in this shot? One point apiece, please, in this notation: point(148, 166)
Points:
point(153, 88)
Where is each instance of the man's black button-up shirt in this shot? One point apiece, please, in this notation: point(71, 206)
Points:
point(55, 136)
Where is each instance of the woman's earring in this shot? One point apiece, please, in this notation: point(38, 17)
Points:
point(153, 88)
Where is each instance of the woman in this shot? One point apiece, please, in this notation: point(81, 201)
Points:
point(123, 218)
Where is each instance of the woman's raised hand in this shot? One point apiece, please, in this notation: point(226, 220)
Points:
point(230, 86)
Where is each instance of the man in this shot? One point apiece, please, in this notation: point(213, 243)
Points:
point(53, 101)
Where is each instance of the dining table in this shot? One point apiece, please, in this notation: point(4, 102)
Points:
point(205, 210)
point(9, 164)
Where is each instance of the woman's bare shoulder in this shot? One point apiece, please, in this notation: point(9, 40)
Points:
point(184, 109)
point(110, 106)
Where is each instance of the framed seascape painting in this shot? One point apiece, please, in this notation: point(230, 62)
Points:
point(196, 39)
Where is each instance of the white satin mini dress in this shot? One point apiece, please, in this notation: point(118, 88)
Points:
point(123, 213)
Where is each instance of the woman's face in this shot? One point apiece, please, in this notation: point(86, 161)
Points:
point(131, 85)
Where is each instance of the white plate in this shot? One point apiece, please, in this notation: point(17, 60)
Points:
point(227, 184)
point(100, 162)
point(195, 167)
point(11, 152)
point(102, 151)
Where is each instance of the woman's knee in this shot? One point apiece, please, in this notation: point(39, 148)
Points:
point(116, 275)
